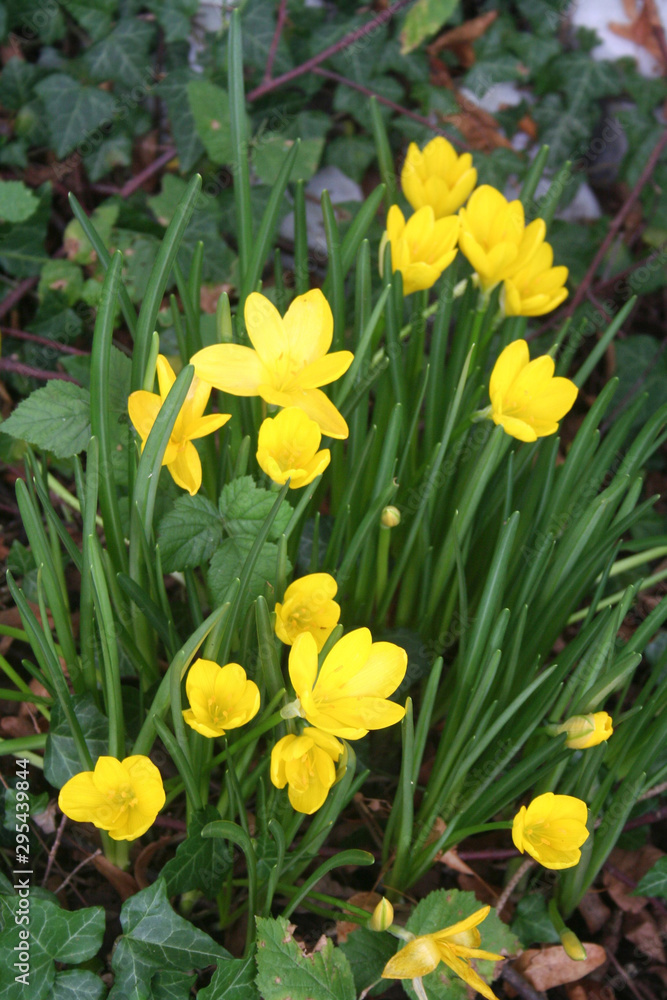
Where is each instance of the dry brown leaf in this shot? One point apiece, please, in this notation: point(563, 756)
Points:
point(452, 860)
point(589, 989)
point(644, 25)
point(634, 865)
point(478, 127)
point(548, 967)
point(594, 911)
point(460, 39)
point(124, 883)
point(144, 859)
point(643, 931)
point(365, 901)
point(209, 295)
point(473, 883)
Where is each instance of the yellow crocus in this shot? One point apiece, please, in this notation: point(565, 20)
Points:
point(552, 829)
point(349, 696)
point(289, 360)
point(306, 764)
point(122, 797)
point(526, 399)
point(180, 457)
point(421, 248)
point(537, 288)
point(584, 731)
point(221, 698)
point(494, 236)
point(287, 448)
point(437, 176)
point(308, 606)
point(454, 946)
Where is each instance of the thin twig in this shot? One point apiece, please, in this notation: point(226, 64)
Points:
point(54, 849)
point(331, 50)
point(512, 884)
point(78, 868)
point(7, 364)
point(619, 968)
point(24, 335)
point(275, 41)
point(651, 792)
point(17, 294)
point(521, 985)
point(153, 168)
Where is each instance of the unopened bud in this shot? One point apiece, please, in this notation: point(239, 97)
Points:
point(574, 949)
point(584, 731)
point(383, 916)
point(391, 517)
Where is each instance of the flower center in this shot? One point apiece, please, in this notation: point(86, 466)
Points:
point(123, 797)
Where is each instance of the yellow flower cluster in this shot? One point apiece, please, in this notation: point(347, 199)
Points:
point(490, 232)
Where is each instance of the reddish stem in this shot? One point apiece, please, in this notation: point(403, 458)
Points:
point(17, 294)
point(275, 41)
point(153, 168)
point(8, 365)
point(24, 335)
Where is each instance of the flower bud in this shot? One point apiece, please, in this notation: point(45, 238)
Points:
point(574, 949)
point(584, 731)
point(383, 916)
point(391, 517)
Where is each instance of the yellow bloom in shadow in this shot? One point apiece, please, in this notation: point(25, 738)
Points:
point(454, 946)
point(308, 606)
point(437, 176)
point(348, 698)
point(181, 456)
point(552, 829)
point(122, 797)
point(537, 288)
point(287, 448)
point(526, 399)
point(584, 731)
point(289, 360)
point(221, 698)
point(421, 248)
point(494, 236)
point(306, 764)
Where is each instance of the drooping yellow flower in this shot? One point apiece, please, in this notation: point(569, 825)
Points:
point(526, 399)
point(584, 731)
point(308, 606)
point(289, 360)
point(421, 248)
point(180, 457)
point(437, 176)
point(122, 797)
point(552, 829)
point(494, 236)
point(453, 945)
point(221, 698)
point(537, 288)
point(287, 448)
point(348, 698)
point(306, 764)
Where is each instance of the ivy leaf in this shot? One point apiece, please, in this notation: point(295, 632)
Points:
point(532, 923)
point(56, 935)
point(16, 82)
point(423, 19)
point(61, 761)
point(94, 16)
point(189, 534)
point(175, 17)
point(654, 883)
point(209, 105)
point(55, 418)
point(155, 939)
point(22, 251)
point(368, 952)
point(232, 980)
point(245, 506)
point(73, 111)
point(17, 202)
point(173, 91)
point(285, 973)
point(200, 863)
point(116, 151)
point(123, 55)
point(172, 985)
point(77, 984)
point(228, 562)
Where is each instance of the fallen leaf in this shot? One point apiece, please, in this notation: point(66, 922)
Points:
point(643, 931)
point(478, 127)
point(144, 859)
point(594, 911)
point(548, 967)
point(633, 865)
point(124, 883)
point(459, 39)
point(365, 901)
point(643, 28)
point(452, 860)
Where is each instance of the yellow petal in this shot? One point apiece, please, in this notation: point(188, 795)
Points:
point(309, 327)
point(344, 661)
point(265, 329)
point(231, 368)
point(324, 370)
point(314, 404)
point(165, 375)
point(205, 728)
point(367, 712)
point(466, 973)
point(206, 425)
point(185, 468)
point(419, 957)
point(516, 428)
point(510, 362)
point(143, 408)
point(303, 664)
point(463, 925)
point(81, 799)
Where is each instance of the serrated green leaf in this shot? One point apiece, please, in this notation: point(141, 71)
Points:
point(269, 154)
point(285, 973)
point(123, 55)
point(424, 18)
point(155, 939)
point(17, 202)
point(368, 952)
point(74, 112)
point(227, 564)
point(61, 276)
point(77, 984)
point(189, 533)
point(200, 863)
point(654, 883)
point(532, 923)
point(55, 418)
point(56, 935)
point(209, 105)
point(173, 90)
point(61, 760)
point(244, 507)
point(232, 980)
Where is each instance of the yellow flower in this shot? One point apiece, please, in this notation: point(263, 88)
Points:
point(289, 360)
point(552, 829)
point(584, 731)
point(180, 457)
point(349, 696)
point(453, 945)
point(437, 176)
point(306, 764)
point(308, 606)
point(122, 797)
point(287, 448)
point(383, 916)
point(494, 236)
point(421, 248)
point(537, 288)
point(526, 399)
point(221, 698)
